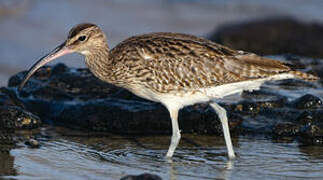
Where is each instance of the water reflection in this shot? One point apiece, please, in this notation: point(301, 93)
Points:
point(7, 164)
point(224, 173)
point(6, 159)
point(106, 155)
point(312, 152)
point(78, 155)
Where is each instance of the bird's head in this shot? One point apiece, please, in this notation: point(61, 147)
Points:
point(85, 38)
point(82, 38)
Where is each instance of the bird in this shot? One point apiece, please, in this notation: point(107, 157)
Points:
point(174, 69)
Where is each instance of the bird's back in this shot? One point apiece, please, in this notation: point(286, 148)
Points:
point(165, 62)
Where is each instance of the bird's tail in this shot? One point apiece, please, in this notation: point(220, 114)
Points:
point(304, 76)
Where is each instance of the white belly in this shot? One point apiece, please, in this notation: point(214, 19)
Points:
point(205, 94)
point(218, 92)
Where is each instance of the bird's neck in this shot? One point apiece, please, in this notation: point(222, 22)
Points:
point(99, 63)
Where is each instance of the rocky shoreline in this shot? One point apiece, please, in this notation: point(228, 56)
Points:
point(74, 98)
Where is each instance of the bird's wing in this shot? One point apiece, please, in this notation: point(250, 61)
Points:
point(251, 66)
point(172, 61)
point(195, 73)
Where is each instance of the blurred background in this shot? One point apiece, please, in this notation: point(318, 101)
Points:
point(284, 123)
point(31, 28)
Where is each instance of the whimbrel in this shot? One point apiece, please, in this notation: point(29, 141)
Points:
point(174, 69)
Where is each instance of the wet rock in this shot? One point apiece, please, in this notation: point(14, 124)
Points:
point(307, 125)
point(307, 101)
point(144, 176)
point(7, 142)
point(32, 143)
point(273, 36)
point(286, 129)
point(137, 117)
point(13, 113)
point(312, 127)
point(60, 83)
point(8, 97)
point(312, 134)
point(307, 118)
point(254, 107)
point(13, 118)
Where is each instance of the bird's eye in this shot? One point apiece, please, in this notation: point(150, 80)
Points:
point(82, 38)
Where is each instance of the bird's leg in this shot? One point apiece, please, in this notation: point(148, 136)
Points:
point(176, 133)
point(221, 112)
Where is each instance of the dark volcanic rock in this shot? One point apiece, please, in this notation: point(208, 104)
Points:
point(286, 129)
point(32, 143)
point(273, 36)
point(308, 126)
point(311, 131)
point(8, 97)
point(256, 106)
point(74, 98)
point(13, 112)
point(307, 101)
point(13, 116)
point(144, 176)
point(60, 83)
point(6, 142)
point(16, 118)
point(138, 117)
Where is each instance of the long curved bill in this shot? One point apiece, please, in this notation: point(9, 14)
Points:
point(59, 51)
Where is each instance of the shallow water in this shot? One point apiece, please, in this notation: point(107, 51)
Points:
point(83, 156)
point(67, 154)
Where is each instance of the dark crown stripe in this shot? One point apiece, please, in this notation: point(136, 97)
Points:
point(78, 28)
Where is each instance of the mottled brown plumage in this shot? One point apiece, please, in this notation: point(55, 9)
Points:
point(166, 62)
point(173, 69)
